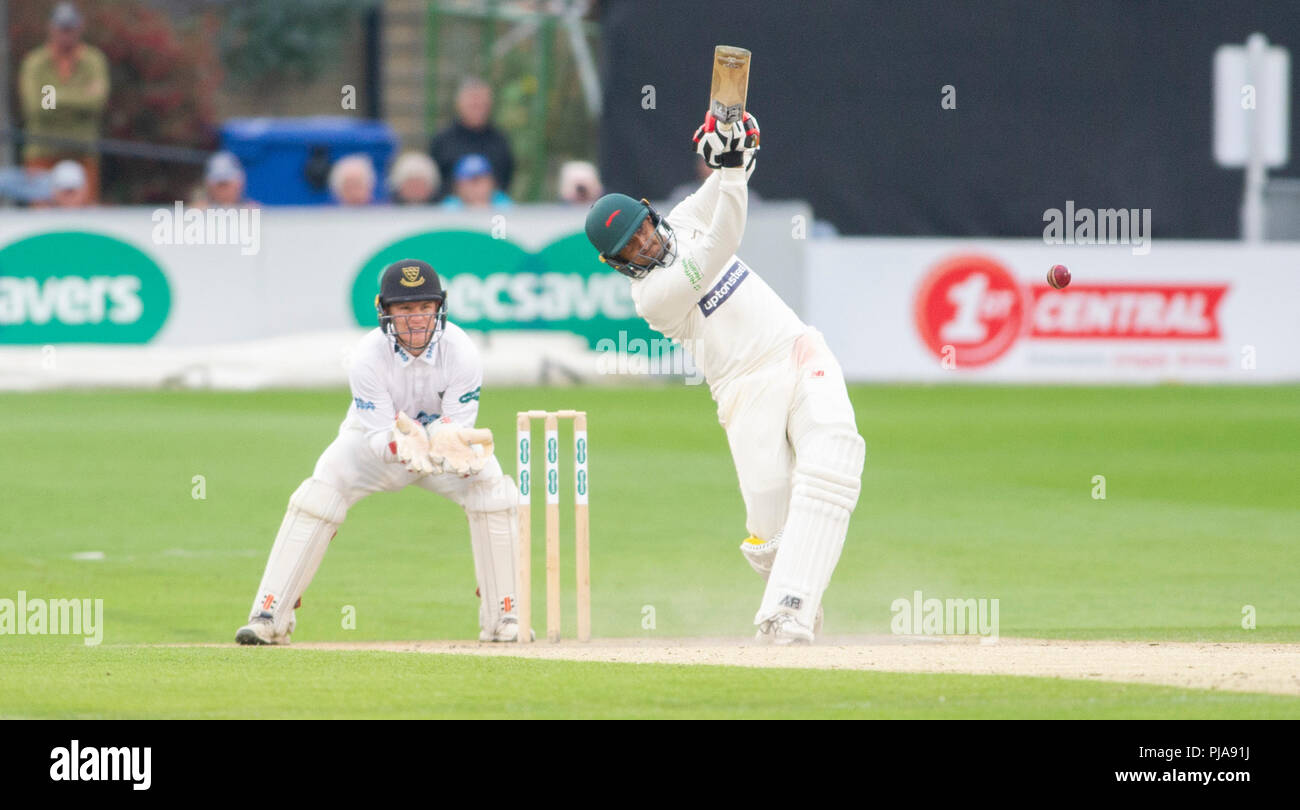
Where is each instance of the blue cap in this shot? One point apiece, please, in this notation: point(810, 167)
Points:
point(471, 166)
point(223, 166)
point(65, 15)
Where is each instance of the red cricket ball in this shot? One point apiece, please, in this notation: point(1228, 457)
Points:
point(1058, 276)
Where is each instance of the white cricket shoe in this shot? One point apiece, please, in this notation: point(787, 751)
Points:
point(783, 630)
point(260, 630)
point(507, 630)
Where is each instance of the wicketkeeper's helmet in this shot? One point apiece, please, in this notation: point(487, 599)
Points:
point(410, 280)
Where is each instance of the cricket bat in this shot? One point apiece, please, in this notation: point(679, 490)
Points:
point(730, 84)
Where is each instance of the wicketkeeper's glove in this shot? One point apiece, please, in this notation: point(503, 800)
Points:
point(728, 146)
point(410, 444)
point(458, 450)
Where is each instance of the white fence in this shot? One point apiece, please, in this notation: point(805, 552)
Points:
point(140, 297)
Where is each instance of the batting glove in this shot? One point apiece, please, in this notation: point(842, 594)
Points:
point(724, 146)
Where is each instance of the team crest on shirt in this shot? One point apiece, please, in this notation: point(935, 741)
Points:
point(693, 274)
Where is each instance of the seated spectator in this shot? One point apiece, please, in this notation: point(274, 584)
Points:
point(580, 183)
point(475, 185)
point(413, 179)
point(472, 133)
point(68, 187)
point(78, 74)
point(223, 183)
point(352, 180)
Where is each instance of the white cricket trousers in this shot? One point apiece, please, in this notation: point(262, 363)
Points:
point(350, 465)
point(770, 413)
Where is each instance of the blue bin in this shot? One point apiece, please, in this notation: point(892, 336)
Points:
point(287, 160)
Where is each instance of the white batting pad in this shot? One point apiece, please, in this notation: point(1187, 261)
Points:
point(490, 507)
point(827, 480)
point(316, 510)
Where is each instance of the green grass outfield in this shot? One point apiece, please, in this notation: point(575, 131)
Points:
point(287, 683)
point(968, 492)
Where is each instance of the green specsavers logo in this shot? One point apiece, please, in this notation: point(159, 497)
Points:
point(495, 284)
point(74, 287)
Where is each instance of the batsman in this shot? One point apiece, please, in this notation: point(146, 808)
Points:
point(780, 392)
point(415, 393)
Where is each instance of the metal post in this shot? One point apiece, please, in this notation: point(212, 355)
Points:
point(487, 38)
point(545, 44)
point(431, 31)
point(1252, 204)
point(7, 146)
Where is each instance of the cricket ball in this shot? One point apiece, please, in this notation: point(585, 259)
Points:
point(1058, 276)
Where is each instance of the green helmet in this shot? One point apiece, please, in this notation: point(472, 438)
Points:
point(612, 221)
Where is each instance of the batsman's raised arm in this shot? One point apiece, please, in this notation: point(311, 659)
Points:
point(716, 213)
point(712, 246)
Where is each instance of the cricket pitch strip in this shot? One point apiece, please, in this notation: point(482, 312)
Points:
point(1272, 668)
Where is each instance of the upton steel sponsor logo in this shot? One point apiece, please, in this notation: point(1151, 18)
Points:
point(720, 292)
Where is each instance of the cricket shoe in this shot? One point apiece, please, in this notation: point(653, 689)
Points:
point(261, 630)
point(507, 630)
point(782, 630)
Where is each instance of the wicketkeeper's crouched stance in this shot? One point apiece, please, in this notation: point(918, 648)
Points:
point(415, 363)
point(780, 392)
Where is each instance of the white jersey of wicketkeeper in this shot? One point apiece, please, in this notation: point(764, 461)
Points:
point(415, 393)
point(780, 392)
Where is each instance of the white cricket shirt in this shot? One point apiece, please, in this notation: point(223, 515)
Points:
point(724, 314)
point(443, 381)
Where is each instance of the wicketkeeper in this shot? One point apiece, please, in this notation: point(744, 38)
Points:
point(415, 392)
point(780, 392)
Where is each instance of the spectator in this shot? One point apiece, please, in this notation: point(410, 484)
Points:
point(472, 133)
point(223, 183)
point(580, 183)
point(63, 86)
point(413, 179)
point(352, 180)
point(68, 188)
point(475, 185)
